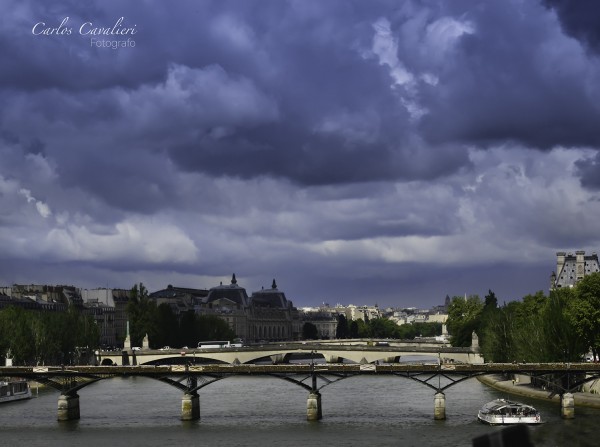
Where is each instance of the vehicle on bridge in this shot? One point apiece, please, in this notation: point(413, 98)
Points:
point(14, 389)
point(505, 412)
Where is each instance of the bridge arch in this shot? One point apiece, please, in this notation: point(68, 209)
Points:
point(331, 352)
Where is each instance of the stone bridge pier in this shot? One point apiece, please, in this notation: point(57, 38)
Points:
point(68, 407)
point(439, 406)
point(190, 407)
point(314, 410)
point(567, 406)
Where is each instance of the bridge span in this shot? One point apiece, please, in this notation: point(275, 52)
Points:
point(310, 376)
point(284, 352)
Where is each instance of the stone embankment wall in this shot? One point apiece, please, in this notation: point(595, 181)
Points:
point(592, 387)
point(522, 387)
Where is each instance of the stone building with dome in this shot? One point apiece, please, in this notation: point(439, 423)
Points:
point(273, 317)
point(266, 315)
point(230, 303)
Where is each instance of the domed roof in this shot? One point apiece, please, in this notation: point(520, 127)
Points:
point(231, 292)
point(269, 298)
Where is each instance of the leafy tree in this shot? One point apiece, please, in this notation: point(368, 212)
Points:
point(536, 329)
point(211, 327)
point(382, 328)
point(490, 315)
point(516, 331)
point(35, 337)
point(490, 301)
point(498, 329)
point(564, 342)
point(407, 331)
point(532, 305)
point(309, 331)
point(189, 330)
point(363, 329)
point(585, 311)
point(426, 329)
point(353, 329)
point(463, 319)
point(142, 314)
point(15, 334)
point(167, 327)
point(529, 331)
point(342, 329)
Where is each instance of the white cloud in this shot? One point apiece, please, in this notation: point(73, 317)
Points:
point(42, 208)
point(516, 205)
point(133, 240)
point(385, 47)
point(442, 34)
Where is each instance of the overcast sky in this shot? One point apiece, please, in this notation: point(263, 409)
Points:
point(359, 152)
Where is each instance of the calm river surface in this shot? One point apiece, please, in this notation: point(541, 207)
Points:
point(254, 411)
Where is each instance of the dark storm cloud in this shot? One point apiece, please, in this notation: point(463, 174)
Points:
point(588, 169)
point(580, 19)
point(515, 79)
point(285, 151)
point(342, 115)
point(308, 58)
point(366, 144)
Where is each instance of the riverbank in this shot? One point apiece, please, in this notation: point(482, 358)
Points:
point(525, 389)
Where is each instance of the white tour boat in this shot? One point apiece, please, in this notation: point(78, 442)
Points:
point(504, 412)
point(14, 389)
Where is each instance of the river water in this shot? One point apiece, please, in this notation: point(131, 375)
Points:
point(257, 411)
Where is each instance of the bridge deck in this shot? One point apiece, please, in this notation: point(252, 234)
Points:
point(226, 369)
point(191, 378)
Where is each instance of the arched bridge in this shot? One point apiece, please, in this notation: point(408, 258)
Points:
point(283, 353)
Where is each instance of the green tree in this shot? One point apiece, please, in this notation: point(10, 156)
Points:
point(353, 329)
point(497, 344)
point(342, 330)
point(463, 319)
point(309, 331)
point(528, 336)
point(15, 334)
point(211, 327)
point(427, 329)
point(36, 337)
point(363, 329)
point(189, 331)
point(490, 301)
point(585, 311)
point(407, 331)
point(490, 314)
point(564, 342)
point(167, 327)
point(535, 329)
point(379, 328)
point(142, 314)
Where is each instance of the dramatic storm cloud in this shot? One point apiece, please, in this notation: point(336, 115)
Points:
point(389, 152)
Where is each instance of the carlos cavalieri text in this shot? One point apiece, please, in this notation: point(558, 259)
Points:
point(98, 34)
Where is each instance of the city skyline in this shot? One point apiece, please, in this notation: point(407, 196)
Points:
point(389, 152)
